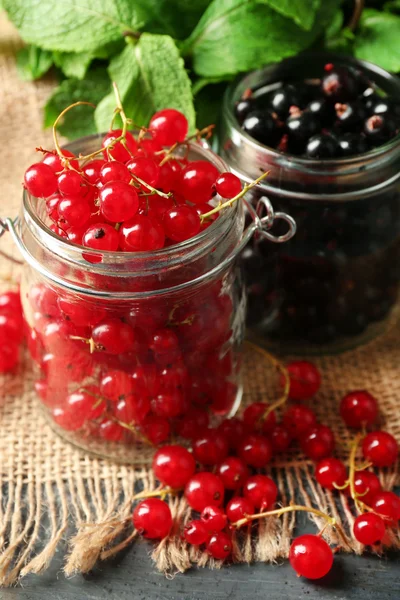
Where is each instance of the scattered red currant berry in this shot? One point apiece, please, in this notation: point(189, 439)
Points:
point(156, 429)
point(210, 447)
point(366, 485)
point(330, 472)
point(305, 380)
point(380, 448)
point(233, 430)
point(220, 546)
point(280, 439)
point(298, 419)
point(173, 466)
point(196, 533)
point(255, 450)
point(204, 489)
point(369, 529)
point(310, 556)
point(152, 518)
point(262, 492)
point(233, 473)
point(168, 127)
point(253, 417)
point(318, 442)
point(387, 504)
point(359, 409)
point(228, 185)
point(239, 508)
point(214, 518)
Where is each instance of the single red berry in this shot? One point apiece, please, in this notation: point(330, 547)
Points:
point(118, 201)
point(380, 448)
point(369, 529)
point(142, 233)
point(114, 171)
point(110, 431)
point(169, 405)
point(10, 303)
point(9, 356)
point(118, 151)
point(204, 489)
point(154, 206)
point(173, 466)
point(54, 161)
point(210, 447)
point(255, 450)
point(253, 418)
point(298, 419)
point(181, 223)
point(152, 518)
point(196, 533)
point(262, 491)
point(80, 314)
point(92, 170)
point(101, 237)
point(305, 380)
point(387, 504)
point(239, 508)
point(233, 472)
point(74, 210)
point(165, 345)
point(214, 518)
point(233, 430)
point(168, 127)
point(11, 328)
point(280, 438)
point(132, 410)
point(330, 472)
point(220, 546)
point(366, 485)
point(113, 336)
point(40, 180)
point(318, 442)
point(228, 185)
point(197, 181)
point(145, 169)
point(70, 183)
point(359, 409)
point(192, 423)
point(146, 380)
point(156, 429)
point(310, 556)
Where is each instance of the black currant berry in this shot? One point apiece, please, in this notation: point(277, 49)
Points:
point(283, 98)
point(323, 145)
point(301, 127)
point(379, 129)
point(262, 126)
point(349, 115)
point(352, 144)
point(242, 109)
point(323, 110)
point(339, 84)
point(382, 106)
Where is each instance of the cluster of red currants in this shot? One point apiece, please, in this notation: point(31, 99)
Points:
point(135, 194)
point(11, 330)
point(228, 488)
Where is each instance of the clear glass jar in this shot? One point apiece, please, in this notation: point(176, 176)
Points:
point(332, 286)
point(135, 387)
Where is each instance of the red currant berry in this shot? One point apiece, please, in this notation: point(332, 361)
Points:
point(132, 410)
point(197, 181)
point(298, 419)
point(359, 409)
point(228, 185)
point(154, 206)
point(54, 161)
point(118, 151)
point(305, 380)
point(169, 176)
point(210, 447)
point(10, 303)
point(255, 450)
point(261, 490)
point(40, 180)
point(239, 508)
point(253, 417)
point(318, 442)
point(204, 489)
point(145, 169)
point(181, 223)
point(142, 234)
point(9, 356)
point(152, 518)
point(192, 423)
point(380, 448)
point(92, 170)
point(74, 210)
point(165, 345)
point(52, 207)
point(173, 466)
point(168, 127)
point(146, 380)
point(113, 336)
point(220, 546)
point(233, 430)
point(369, 529)
point(280, 439)
point(196, 533)
point(79, 313)
point(387, 504)
point(11, 328)
point(366, 485)
point(330, 472)
point(169, 405)
point(233, 473)
point(310, 556)
point(156, 429)
point(214, 518)
point(118, 201)
point(114, 171)
point(101, 237)
point(70, 183)
point(110, 431)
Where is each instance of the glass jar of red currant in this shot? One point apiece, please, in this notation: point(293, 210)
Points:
point(131, 347)
point(326, 127)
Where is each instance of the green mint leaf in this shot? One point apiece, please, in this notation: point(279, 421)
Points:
point(378, 39)
point(392, 6)
point(79, 121)
point(73, 64)
point(33, 62)
point(176, 18)
point(202, 82)
point(303, 12)
point(150, 76)
point(240, 35)
point(335, 26)
point(78, 25)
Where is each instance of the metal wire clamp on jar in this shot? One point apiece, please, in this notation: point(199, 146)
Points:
point(194, 288)
point(333, 286)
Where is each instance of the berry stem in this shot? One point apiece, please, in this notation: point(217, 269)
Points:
point(134, 430)
point(161, 492)
point(206, 133)
point(285, 394)
point(230, 202)
point(360, 506)
point(60, 116)
point(149, 187)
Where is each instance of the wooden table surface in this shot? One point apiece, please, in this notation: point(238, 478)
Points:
point(132, 576)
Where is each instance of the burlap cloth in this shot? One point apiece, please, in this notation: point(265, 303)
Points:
point(55, 496)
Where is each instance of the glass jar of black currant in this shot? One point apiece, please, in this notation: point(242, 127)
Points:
point(130, 348)
point(326, 128)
